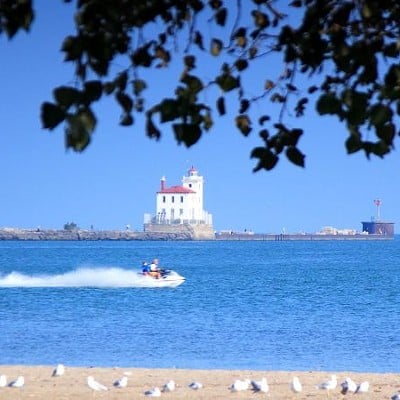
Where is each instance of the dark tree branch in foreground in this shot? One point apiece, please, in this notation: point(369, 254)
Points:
point(347, 52)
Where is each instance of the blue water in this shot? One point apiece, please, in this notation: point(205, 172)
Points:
point(245, 305)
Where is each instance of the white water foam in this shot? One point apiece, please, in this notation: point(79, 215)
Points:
point(110, 277)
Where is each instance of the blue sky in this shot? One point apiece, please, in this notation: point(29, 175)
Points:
point(113, 183)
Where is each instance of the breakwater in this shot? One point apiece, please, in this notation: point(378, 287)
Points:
point(79, 234)
point(299, 237)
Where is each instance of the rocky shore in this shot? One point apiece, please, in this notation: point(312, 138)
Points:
point(79, 234)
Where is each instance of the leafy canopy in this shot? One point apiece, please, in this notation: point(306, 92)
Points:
point(347, 52)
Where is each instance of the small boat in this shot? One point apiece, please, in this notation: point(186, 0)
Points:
point(168, 278)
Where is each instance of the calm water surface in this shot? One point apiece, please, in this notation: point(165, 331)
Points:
point(251, 305)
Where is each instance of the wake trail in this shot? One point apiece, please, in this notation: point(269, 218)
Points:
point(105, 277)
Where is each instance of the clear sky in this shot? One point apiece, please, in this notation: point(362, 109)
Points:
point(114, 182)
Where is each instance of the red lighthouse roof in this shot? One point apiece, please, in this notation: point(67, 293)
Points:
point(177, 190)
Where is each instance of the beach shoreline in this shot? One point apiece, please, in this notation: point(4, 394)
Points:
point(39, 383)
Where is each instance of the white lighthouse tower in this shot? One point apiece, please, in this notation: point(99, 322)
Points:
point(180, 207)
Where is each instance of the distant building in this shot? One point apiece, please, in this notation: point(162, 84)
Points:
point(180, 207)
point(379, 228)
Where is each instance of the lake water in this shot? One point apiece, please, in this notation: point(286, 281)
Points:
point(245, 305)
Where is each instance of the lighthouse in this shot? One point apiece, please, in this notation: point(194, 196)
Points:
point(181, 207)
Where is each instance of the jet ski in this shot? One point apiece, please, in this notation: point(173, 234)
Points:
point(166, 278)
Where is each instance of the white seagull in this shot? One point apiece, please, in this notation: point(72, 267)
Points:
point(328, 385)
point(96, 386)
point(3, 380)
point(169, 386)
point(195, 385)
point(348, 386)
point(59, 370)
point(363, 387)
point(155, 392)
point(18, 383)
point(260, 386)
point(239, 385)
point(121, 383)
point(295, 385)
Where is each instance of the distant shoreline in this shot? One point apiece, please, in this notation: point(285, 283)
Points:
point(19, 234)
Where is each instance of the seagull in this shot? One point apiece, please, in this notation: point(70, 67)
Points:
point(363, 387)
point(18, 383)
point(3, 380)
point(260, 386)
point(348, 386)
point(239, 385)
point(195, 385)
point(328, 385)
point(396, 396)
point(121, 383)
point(59, 370)
point(168, 386)
point(155, 392)
point(295, 385)
point(96, 386)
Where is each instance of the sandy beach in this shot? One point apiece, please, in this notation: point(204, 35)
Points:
point(39, 383)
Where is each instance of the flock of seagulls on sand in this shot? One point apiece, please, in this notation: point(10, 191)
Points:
point(348, 386)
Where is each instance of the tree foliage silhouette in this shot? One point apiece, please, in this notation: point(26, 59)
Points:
point(342, 56)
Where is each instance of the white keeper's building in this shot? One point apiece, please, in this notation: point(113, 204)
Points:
point(181, 204)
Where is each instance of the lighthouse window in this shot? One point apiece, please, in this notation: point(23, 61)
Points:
point(163, 199)
point(173, 199)
point(181, 211)
point(181, 199)
point(190, 185)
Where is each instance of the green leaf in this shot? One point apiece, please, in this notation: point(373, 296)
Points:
point(67, 96)
point(73, 48)
point(189, 134)
point(227, 82)
point(51, 115)
point(328, 104)
point(216, 47)
point(125, 101)
point(93, 90)
point(79, 129)
point(198, 40)
point(126, 120)
point(243, 123)
point(194, 84)
point(295, 156)
point(241, 64)
point(267, 159)
point(221, 105)
point(87, 119)
point(244, 106)
point(386, 133)
point(220, 16)
point(190, 62)
point(142, 57)
point(151, 129)
point(207, 121)
point(169, 110)
point(263, 119)
point(261, 20)
point(109, 87)
point(138, 86)
point(121, 81)
point(353, 144)
point(380, 114)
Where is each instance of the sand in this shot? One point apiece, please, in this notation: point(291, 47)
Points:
point(39, 383)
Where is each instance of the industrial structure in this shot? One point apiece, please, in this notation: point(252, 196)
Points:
point(376, 226)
